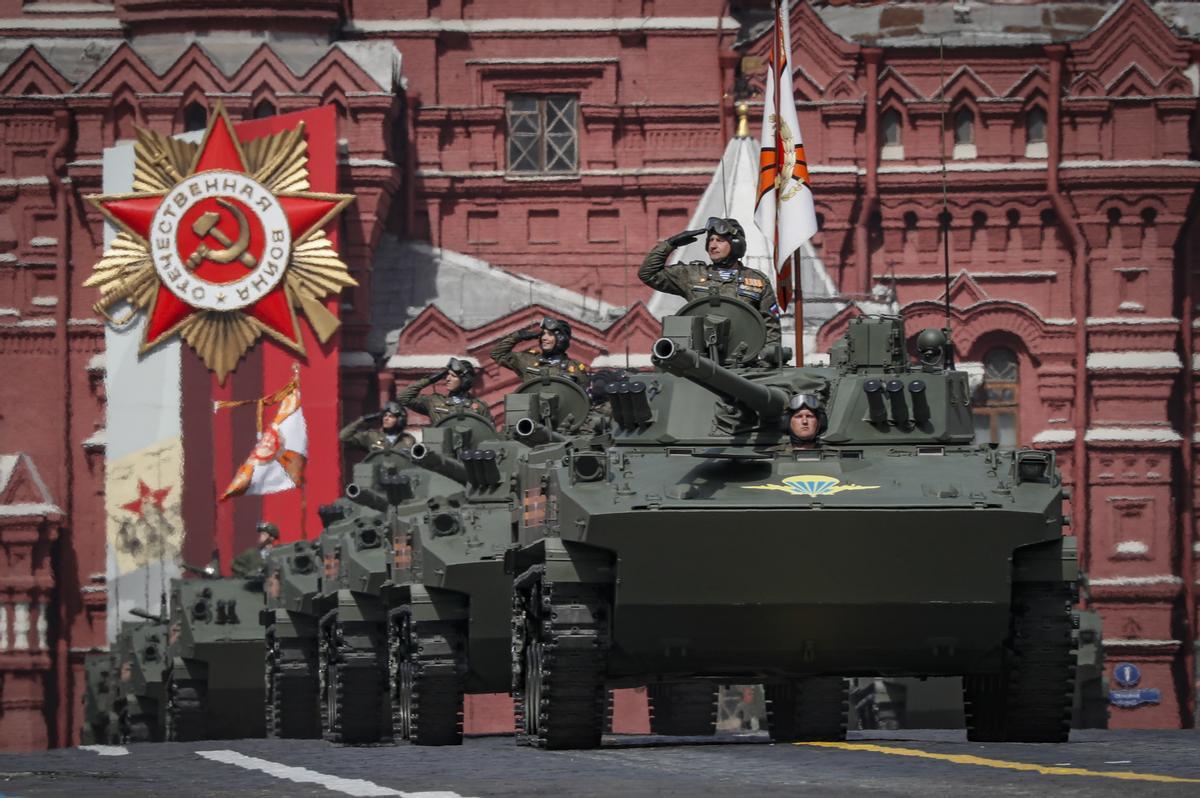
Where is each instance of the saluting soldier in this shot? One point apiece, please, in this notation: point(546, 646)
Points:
point(549, 356)
point(459, 379)
point(725, 242)
point(250, 563)
point(389, 436)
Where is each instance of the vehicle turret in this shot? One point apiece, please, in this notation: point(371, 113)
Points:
point(439, 463)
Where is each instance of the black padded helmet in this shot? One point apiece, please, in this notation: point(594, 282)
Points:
point(731, 229)
point(562, 334)
point(396, 409)
point(465, 372)
point(270, 529)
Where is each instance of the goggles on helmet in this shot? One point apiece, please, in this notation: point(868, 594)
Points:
point(459, 367)
point(803, 400)
point(552, 325)
point(719, 226)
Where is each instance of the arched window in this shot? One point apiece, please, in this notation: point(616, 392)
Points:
point(996, 402)
point(195, 117)
point(1035, 133)
point(890, 136)
point(964, 133)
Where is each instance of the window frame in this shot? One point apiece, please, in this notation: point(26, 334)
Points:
point(542, 144)
point(981, 407)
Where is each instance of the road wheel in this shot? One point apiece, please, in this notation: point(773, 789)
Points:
point(351, 691)
point(560, 655)
point(1030, 700)
point(683, 709)
point(186, 709)
point(813, 708)
point(428, 667)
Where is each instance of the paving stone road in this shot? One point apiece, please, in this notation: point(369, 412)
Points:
point(928, 764)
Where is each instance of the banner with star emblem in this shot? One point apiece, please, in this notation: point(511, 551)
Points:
point(221, 243)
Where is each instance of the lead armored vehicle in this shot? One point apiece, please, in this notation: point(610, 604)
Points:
point(215, 651)
point(619, 548)
point(141, 651)
point(290, 633)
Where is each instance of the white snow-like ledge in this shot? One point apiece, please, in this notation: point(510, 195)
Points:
point(1135, 164)
point(27, 509)
point(1135, 581)
point(356, 359)
point(1132, 547)
point(426, 361)
point(1055, 436)
point(1135, 642)
point(637, 360)
point(1133, 361)
point(1102, 320)
point(1133, 434)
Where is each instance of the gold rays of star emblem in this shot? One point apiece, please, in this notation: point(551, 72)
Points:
point(248, 254)
point(811, 485)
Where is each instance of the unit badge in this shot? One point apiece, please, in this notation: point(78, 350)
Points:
point(811, 485)
point(221, 242)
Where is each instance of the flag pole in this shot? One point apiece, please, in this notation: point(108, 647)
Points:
point(304, 482)
point(782, 57)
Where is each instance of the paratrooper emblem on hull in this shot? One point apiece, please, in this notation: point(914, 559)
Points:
point(811, 485)
point(221, 242)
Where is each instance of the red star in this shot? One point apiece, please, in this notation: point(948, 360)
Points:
point(144, 492)
point(306, 212)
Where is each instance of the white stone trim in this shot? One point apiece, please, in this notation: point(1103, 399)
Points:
point(60, 23)
point(44, 301)
point(1036, 274)
point(1095, 321)
point(1133, 434)
point(42, 627)
point(546, 25)
point(97, 440)
point(1055, 436)
point(353, 162)
point(1134, 164)
point(36, 180)
point(30, 508)
point(36, 323)
point(3, 627)
point(649, 171)
point(20, 626)
point(1136, 642)
point(977, 166)
point(425, 361)
point(96, 362)
point(1134, 361)
point(1135, 581)
point(540, 61)
point(1132, 547)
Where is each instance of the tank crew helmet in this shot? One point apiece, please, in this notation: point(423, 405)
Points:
point(396, 409)
point(562, 334)
point(730, 229)
point(465, 372)
point(268, 529)
point(810, 402)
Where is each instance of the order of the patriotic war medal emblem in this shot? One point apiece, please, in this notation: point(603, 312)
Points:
point(221, 242)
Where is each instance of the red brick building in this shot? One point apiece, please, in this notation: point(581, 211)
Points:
point(508, 155)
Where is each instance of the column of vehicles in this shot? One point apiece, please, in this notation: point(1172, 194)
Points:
point(583, 549)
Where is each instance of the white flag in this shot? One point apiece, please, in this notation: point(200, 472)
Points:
point(279, 456)
point(785, 212)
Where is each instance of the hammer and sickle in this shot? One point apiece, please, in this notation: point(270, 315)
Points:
point(206, 226)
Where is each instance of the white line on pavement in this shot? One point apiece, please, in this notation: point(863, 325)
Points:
point(106, 750)
point(360, 788)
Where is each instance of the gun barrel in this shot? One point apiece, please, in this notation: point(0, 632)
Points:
point(366, 497)
point(767, 401)
point(425, 457)
point(149, 616)
point(532, 433)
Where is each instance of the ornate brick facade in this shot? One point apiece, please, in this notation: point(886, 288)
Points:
point(1072, 206)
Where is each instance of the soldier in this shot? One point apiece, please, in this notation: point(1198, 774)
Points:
point(725, 241)
point(250, 563)
point(806, 420)
point(460, 377)
point(390, 435)
point(550, 355)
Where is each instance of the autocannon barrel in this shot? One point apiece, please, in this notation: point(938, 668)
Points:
point(425, 457)
point(149, 616)
point(366, 497)
point(766, 400)
point(531, 433)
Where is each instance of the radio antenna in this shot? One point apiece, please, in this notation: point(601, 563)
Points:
point(945, 202)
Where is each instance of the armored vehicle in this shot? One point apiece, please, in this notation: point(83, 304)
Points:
point(215, 653)
point(100, 723)
point(448, 596)
point(618, 548)
point(290, 633)
point(141, 651)
point(356, 548)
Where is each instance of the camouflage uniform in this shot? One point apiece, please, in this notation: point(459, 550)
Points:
point(697, 279)
point(532, 363)
point(250, 563)
point(438, 405)
point(373, 440)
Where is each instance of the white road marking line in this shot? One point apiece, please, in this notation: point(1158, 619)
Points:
point(360, 788)
point(106, 750)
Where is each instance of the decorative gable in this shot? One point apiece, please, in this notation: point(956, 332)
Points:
point(31, 73)
point(22, 491)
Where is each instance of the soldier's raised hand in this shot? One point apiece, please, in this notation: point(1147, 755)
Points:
point(686, 237)
point(529, 335)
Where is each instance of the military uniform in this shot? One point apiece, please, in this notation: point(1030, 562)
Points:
point(438, 405)
point(249, 563)
point(697, 279)
point(374, 440)
point(532, 363)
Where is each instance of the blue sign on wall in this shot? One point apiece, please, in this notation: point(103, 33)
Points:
point(1135, 697)
point(1127, 674)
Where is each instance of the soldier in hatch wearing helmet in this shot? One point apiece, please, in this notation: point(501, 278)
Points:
point(389, 436)
point(459, 379)
point(806, 421)
point(250, 563)
point(549, 356)
point(725, 242)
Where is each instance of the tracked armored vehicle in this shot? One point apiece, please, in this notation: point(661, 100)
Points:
point(290, 633)
point(141, 651)
point(448, 596)
point(215, 652)
point(101, 725)
point(615, 570)
point(356, 549)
